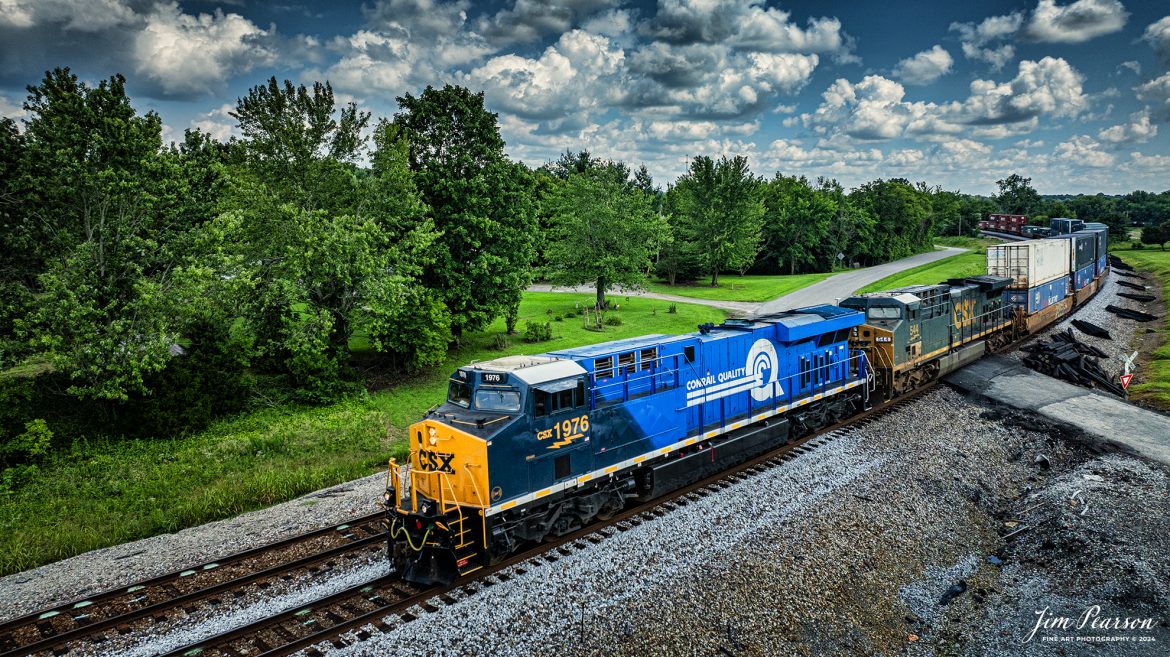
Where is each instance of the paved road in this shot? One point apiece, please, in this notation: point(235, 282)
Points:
point(846, 283)
point(827, 291)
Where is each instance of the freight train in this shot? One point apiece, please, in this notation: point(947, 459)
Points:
point(1017, 224)
point(527, 448)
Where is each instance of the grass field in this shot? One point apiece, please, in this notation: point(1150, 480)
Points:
point(956, 266)
point(1152, 383)
point(106, 492)
point(740, 288)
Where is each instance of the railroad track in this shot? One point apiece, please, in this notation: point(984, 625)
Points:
point(377, 606)
point(120, 611)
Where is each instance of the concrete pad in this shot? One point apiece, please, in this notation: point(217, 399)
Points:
point(1109, 419)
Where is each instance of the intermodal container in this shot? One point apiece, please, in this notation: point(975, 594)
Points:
point(1029, 263)
point(1085, 275)
point(1035, 299)
point(1082, 249)
point(1063, 226)
point(1102, 232)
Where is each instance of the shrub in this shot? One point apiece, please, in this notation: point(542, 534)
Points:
point(537, 332)
point(672, 309)
point(571, 313)
point(559, 318)
point(613, 320)
point(500, 343)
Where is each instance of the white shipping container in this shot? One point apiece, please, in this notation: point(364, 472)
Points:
point(1030, 262)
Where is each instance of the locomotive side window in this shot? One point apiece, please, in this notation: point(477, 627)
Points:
point(459, 393)
point(879, 312)
point(648, 359)
point(579, 393)
point(565, 399)
point(689, 354)
point(626, 362)
point(542, 404)
point(604, 367)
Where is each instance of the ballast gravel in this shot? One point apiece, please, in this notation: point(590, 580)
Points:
point(899, 539)
point(208, 622)
point(121, 565)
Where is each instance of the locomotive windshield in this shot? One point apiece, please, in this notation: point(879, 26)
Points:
point(888, 312)
point(459, 393)
point(491, 399)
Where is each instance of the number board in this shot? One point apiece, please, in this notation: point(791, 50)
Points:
point(493, 377)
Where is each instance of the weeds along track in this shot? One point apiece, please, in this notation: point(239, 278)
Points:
point(122, 610)
point(357, 613)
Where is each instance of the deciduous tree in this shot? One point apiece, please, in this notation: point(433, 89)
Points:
point(481, 204)
point(604, 234)
point(721, 202)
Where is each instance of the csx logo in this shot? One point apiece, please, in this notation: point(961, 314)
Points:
point(964, 313)
point(436, 461)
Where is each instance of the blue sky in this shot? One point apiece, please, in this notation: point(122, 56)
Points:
point(1075, 95)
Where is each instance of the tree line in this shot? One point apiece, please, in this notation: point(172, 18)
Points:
point(148, 287)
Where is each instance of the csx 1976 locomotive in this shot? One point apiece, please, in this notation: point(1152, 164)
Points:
point(531, 447)
point(528, 447)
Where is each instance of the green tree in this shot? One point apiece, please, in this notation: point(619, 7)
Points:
point(312, 259)
point(1017, 196)
point(1101, 209)
point(1159, 234)
point(604, 234)
point(903, 218)
point(721, 202)
point(972, 210)
point(101, 219)
point(481, 203)
point(300, 144)
point(797, 221)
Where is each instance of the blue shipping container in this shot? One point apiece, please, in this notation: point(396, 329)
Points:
point(1063, 226)
point(1040, 297)
point(1101, 264)
point(1085, 275)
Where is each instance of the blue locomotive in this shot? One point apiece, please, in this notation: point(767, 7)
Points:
point(530, 447)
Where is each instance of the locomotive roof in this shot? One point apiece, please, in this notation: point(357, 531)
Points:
point(617, 345)
point(531, 369)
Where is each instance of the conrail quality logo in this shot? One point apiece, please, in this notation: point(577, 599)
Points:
point(759, 375)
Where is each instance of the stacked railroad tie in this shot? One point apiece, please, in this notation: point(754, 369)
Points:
point(1065, 357)
point(1118, 263)
point(1126, 313)
point(1143, 298)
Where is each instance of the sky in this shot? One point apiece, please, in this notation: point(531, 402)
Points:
point(1074, 95)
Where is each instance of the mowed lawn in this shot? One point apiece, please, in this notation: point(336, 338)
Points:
point(105, 492)
point(739, 288)
point(1151, 383)
point(956, 266)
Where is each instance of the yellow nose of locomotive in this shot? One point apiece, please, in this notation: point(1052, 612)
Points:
point(448, 466)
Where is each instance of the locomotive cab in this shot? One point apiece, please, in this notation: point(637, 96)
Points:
point(437, 501)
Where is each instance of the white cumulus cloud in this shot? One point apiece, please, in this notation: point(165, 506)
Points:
point(578, 72)
point(1157, 34)
point(1156, 92)
point(1085, 151)
point(189, 55)
point(978, 39)
point(1138, 130)
point(79, 15)
point(1077, 22)
point(925, 67)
